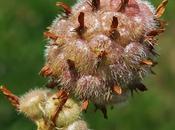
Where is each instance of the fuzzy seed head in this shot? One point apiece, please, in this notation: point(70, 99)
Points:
point(103, 44)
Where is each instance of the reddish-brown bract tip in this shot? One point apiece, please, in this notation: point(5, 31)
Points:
point(50, 35)
point(114, 24)
point(103, 109)
point(71, 64)
point(156, 32)
point(147, 62)
point(123, 5)
point(117, 90)
point(161, 8)
point(141, 87)
point(95, 4)
point(114, 33)
point(66, 8)
point(81, 28)
point(14, 100)
point(62, 96)
point(84, 105)
point(46, 71)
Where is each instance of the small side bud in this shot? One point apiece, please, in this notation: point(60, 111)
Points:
point(30, 104)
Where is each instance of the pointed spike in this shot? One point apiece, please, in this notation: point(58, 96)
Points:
point(117, 90)
point(147, 62)
point(66, 8)
point(71, 64)
point(95, 5)
point(72, 69)
point(46, 71)
point(102, 109)
point(141, 87)
point(155, 32)
point(114, 33)
point(123, 5)
point(114, 24)
point(81, 19)
point(81, 28)
point(14, 100)
point(161, 8)
point(51, 35)
point(84, 105)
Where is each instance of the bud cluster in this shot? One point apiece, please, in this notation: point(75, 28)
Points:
point(49, 110)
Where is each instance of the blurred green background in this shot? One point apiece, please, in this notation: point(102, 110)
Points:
point(22, 23)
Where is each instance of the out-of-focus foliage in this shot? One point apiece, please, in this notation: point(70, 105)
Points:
point(22, 23)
